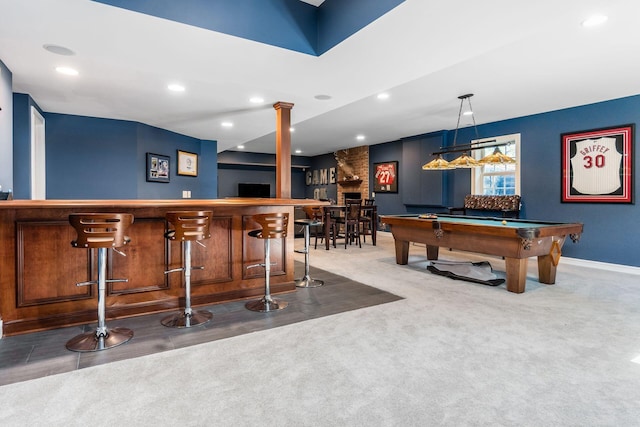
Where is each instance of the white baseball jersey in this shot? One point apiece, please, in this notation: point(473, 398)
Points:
point(596, 166)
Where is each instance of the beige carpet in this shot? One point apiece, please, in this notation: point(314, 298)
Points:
point(451, 353)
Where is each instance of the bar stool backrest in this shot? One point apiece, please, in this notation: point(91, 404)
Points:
point(100, 230)
point(274, 225)
point(189, 225)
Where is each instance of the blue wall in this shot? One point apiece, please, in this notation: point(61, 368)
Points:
point(318, 163)
point(389, 203)
point(93, 158)
point(159, 141)
point(610, 230)
point(22, 145)
point(90, 158)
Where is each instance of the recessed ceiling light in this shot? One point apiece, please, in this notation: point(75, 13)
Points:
point(240, 147)
point(226, 124)
point(298, 151)
point(383, 95)
point(67, 71)
point(322, 97)
point(594, 20)
point(292, 129)
point(58, 50)
point(468, 113)
point(360, 137)
point(256, 100)
point(174, 87)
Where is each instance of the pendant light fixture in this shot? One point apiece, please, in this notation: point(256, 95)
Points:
point(466, 160)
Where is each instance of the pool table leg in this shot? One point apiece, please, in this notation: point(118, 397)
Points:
point(516, 274)
point(402, 252)
point(432, 252)
point(546, 270)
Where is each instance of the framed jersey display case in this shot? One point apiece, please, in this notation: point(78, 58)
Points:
point(385, 177)
point(597, 165)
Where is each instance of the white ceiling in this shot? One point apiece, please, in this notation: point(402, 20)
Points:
point(518, 58)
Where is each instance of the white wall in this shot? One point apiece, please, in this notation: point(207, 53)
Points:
point(6, 128)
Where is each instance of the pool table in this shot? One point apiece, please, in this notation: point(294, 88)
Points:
point(514, 239)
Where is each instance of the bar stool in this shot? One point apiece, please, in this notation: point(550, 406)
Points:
point(316, 213)
point(274, 226)
point(307, 281)
point(188, 226)
point(101, 231)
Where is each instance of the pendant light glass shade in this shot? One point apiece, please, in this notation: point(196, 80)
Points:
point(464, 161)
point(496, 158)
point(437, 164)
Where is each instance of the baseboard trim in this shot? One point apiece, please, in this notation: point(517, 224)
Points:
point(618, 268)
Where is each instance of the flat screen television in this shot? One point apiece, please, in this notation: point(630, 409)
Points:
point(248, 189)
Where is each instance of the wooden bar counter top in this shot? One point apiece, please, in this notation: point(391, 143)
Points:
point(39, 268)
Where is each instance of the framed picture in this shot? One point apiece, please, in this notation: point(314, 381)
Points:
point(385, 178)
point(597, 165)
point(187, 163)
point(157, 168)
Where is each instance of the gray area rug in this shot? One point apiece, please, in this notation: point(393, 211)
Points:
point(451, 353)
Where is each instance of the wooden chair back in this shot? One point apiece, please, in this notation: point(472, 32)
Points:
point(274, 225)
point(100, 230)
point(189, 225)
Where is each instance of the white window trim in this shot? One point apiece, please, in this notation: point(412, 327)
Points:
point(476, 185)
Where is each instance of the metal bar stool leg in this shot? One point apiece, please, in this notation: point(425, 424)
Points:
point(307, 281)
point(102, 338)
point(266, 303)
point(188, 317)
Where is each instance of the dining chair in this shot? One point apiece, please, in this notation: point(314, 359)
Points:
point(366, 219)
point(351, 221)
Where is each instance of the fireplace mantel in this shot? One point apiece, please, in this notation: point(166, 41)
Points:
point(349, 182)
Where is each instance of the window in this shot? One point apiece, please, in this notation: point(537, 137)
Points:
point(497, 179)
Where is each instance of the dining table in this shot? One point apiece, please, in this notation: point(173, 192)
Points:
point(340, 210)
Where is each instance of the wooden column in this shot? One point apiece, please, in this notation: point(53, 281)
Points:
point(283, 149)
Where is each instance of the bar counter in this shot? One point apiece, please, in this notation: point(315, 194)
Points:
point(39, 268)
